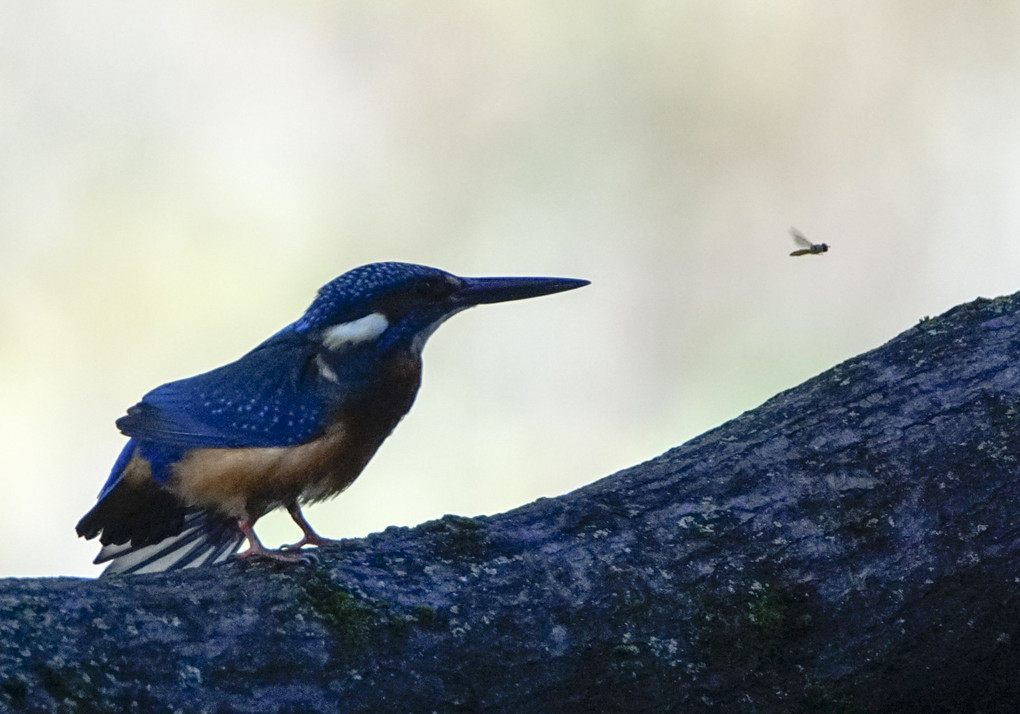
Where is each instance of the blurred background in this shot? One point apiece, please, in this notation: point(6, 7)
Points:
point(178, 178)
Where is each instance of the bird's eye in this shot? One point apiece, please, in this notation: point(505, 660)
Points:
point(425, 288)
point(430, 288)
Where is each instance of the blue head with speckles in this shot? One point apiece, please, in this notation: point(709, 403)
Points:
point(398, 305)
point(357, 292)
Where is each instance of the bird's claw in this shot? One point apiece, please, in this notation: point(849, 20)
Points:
point(306, 558)
point(317, 541)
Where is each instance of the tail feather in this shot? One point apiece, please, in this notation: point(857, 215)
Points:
point(207, 538)
point(145, 528)
point(132, 506)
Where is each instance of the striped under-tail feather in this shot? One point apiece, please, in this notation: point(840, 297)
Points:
point(207, 538)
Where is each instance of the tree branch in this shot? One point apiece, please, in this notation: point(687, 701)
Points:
point(850, 545)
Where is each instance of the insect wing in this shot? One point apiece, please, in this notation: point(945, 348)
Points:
point(800, 240)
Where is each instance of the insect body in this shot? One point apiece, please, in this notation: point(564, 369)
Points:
point(806, 246)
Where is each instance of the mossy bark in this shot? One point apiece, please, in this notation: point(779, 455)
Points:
point(851, 545)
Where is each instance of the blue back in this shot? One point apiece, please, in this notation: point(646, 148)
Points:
point(274, 395)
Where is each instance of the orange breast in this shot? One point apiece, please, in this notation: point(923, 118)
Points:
point(247, 483)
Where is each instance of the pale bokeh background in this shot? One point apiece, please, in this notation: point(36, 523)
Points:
point(178, 178)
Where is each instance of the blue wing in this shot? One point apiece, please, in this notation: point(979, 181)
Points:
point(272, 396)
point(279, 394)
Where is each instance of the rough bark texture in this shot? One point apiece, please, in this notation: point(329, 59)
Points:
point(851, 545)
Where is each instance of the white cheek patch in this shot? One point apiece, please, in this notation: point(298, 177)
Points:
point(351, 333)
point(325, 371)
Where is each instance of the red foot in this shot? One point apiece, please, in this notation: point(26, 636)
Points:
point(255, 547)
point(315, 539)
point(276, 555)
point(310, 536)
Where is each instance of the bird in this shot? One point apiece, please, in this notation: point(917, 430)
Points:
point(292, 422)
point(806, 246)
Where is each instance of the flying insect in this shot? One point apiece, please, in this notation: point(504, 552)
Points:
point(806, 246)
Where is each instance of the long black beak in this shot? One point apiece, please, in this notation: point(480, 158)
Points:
point(478, 291)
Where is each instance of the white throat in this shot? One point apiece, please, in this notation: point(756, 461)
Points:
point(418, 344)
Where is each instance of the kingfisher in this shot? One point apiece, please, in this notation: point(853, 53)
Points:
point(292, 422)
